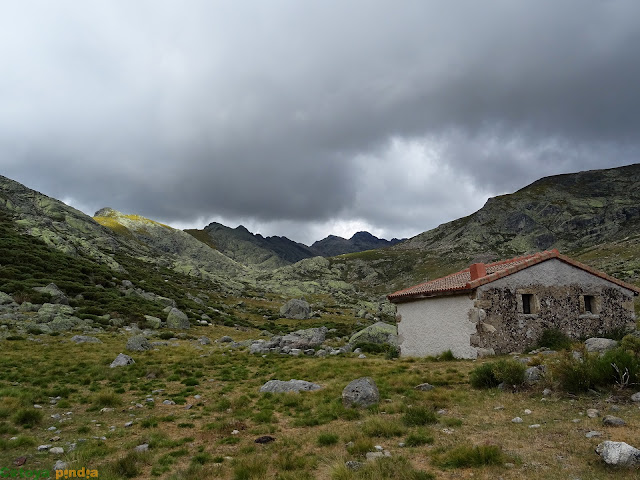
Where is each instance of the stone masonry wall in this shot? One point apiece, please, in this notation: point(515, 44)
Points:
point(558, 291)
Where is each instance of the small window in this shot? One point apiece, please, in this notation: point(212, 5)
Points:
point(588, 303)
point(527, 301)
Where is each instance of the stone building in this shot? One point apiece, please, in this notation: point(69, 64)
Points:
point(505, 306)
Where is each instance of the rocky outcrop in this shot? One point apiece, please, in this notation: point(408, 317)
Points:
point(600, 345)
point(279, 386)
point(296, 309)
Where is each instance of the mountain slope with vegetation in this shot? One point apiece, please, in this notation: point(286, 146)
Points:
point(593, 216)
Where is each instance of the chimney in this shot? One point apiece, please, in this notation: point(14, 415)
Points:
point(477, 270)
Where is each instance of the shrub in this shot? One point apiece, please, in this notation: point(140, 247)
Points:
point(555, 339)
point(418, 416)
point(617, 367)
point(107, 399)
point(326, 439)
point(465, 456)
point(631, 343)
point(483, 377)
point(418, 439)
point(379, 427)
point(28, 417)
point(492, 374)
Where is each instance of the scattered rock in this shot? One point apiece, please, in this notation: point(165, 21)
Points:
point(18, 462)
point(371, 456)
point(138, 343)
point(353, 465)
point(296, 309)
point(265, 439)
point(546, 392)
point(122, 360)
point(620, 454)
point(142, 448)
point(517, 420)
point(424, 387)
point(635, 397)
point(85, 339)
point(533, 375)
point(280, 386)
point(177, 319)
point(204, 340)
point(60, 465)
point(43, 448)
point(56, 450)
point(128, 424)
point(612, 421)
point(152, 322)
point(593, 433)
point(593, 413)
point(362, 392)
point(485, 352)
point(600, 345)
point(168, 402)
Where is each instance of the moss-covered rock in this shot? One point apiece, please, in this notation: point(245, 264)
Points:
point(379, 333)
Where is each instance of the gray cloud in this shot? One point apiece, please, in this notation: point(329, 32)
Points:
point(307, 118)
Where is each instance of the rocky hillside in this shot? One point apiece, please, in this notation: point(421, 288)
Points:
point(359, 242)
point(593, 216)
point(567, 212)
point(170, 247)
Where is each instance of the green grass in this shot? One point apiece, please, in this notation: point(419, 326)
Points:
point(465, 456)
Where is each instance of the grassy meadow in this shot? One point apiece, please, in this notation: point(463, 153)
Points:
point(452, 431)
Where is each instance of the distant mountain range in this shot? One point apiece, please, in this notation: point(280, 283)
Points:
point(248, 248)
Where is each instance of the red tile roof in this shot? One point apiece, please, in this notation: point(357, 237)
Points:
point(461, 281)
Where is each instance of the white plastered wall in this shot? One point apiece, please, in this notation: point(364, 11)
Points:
point(435, 325)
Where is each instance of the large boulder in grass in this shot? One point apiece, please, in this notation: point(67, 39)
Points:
point(362, 392)
point(122, 360)
point(138, 343)
point(620, 454)
point(177, 319)
point(296, 309)
point(280, 386)
point(304, 339)
point(380, 333)
point(57, 295)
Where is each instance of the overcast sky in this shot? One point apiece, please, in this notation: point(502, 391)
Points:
point(305, 118)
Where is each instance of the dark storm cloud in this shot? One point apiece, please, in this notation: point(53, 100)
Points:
point(310, 116)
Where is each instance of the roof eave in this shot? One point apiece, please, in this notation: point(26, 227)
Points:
point(420, 296)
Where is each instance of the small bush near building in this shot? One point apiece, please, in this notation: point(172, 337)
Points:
point(492, 374)
point(619, 367)
point(554, 339)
